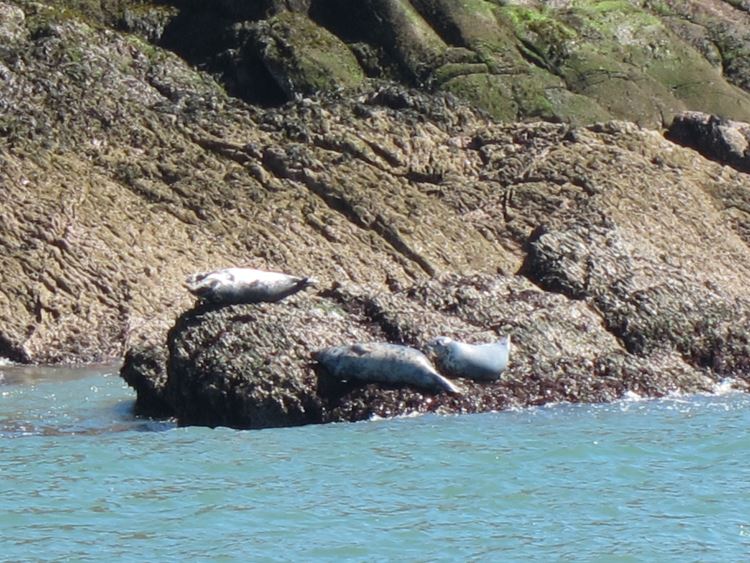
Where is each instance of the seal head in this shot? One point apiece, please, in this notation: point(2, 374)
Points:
point(232, 286)
point(471, 361)
point(382, 363)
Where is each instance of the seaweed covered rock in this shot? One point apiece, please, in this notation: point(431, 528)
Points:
point(230, 384)
point(248, 366)
point(301, 57)
point(144, 368)
point(251, 366)
point(124, 170)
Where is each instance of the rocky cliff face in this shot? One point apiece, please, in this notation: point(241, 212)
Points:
point(617, 259)
point(575, 61)
point(624, 271)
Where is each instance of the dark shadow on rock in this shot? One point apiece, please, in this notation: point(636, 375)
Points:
point(719, 139)
point(145, 370)
point(210, 35)
point(12, 352)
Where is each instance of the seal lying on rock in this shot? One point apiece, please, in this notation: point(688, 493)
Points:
point(384, 363)
point(244, 285)
point(472, 361)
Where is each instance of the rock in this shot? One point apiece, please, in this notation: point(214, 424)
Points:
point(617, 259)
point(12, 26)
point(145, 370)
point(720, 31)
point(251, 366)
point(404, 33)
point(146, 20)
point(563, 62)
point(716, 138)
point(302, 57)
point(237, 366)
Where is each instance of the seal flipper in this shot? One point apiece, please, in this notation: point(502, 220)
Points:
point(448, 386)
point(305, 283)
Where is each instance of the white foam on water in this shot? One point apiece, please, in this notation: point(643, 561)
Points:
point(632, 397)
point(726, 386)
point(413, 414)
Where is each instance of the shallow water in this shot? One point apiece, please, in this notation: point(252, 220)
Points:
point(82, 479)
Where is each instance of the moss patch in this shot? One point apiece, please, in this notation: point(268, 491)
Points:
point(488, 92)
point(543, 38)
point(636, 68)
point(304, 57)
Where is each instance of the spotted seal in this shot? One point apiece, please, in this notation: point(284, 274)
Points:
point(244, 285)
point(384, 363)
point(471, 361)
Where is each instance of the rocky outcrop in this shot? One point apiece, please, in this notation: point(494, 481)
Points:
point(719, 30)
point(616, 259)
point(251, 366)
point(145, 370)
point(719, 139)
point(577, 62)
point(632, 282)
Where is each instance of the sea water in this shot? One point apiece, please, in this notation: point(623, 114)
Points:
point(82, 479)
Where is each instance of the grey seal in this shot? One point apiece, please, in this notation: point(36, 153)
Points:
point(245, 285)
point(384, 363)
point(471, 361)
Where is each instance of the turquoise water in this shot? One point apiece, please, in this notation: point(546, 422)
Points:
point(82, 479)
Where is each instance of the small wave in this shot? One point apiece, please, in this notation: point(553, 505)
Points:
point(728, 386)
point(413, 414)
point(632, 397)
point(23, 429)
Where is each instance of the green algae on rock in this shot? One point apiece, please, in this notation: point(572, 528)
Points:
point(302, 57)
point(579, 62)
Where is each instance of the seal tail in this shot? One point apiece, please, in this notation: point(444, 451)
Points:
point(294, 284)
point(302, 284)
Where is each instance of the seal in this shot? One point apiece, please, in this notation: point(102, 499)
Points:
point(383, 363)
point(471, 361)
point(232, 286)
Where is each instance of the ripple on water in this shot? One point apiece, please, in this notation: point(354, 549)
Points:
point(630, 481)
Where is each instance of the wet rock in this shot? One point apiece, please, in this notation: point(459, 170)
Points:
point(248, 366)
point(145, 370)
point(302, 57)
point(251, 366)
